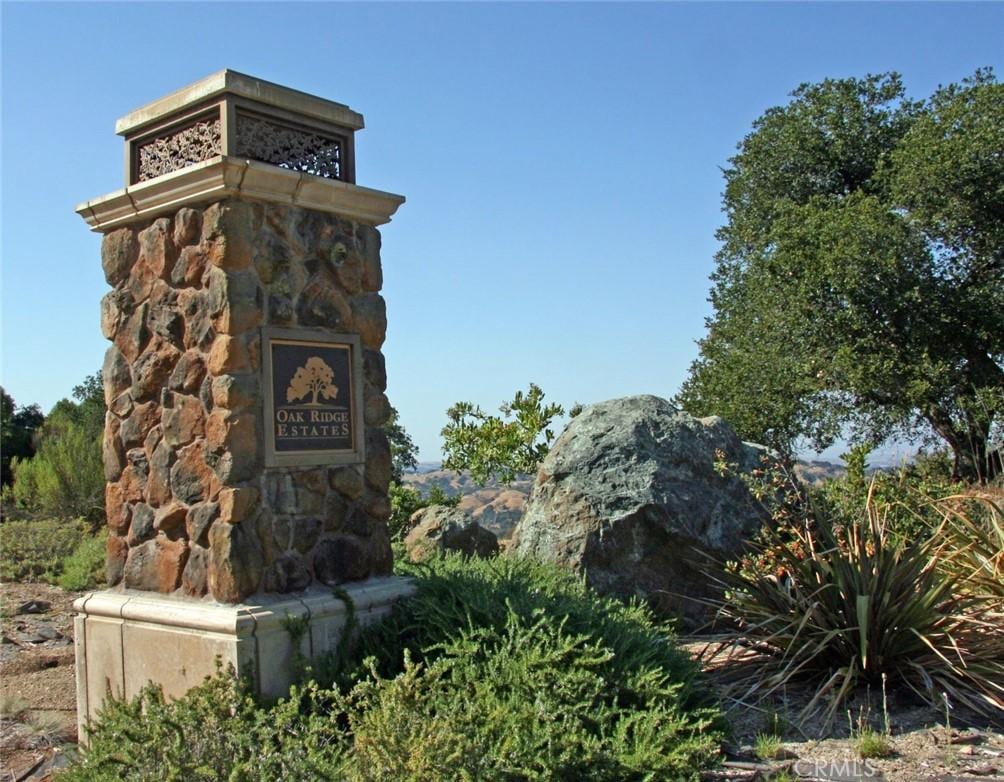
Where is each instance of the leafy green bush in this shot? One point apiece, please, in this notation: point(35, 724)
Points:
point(495, 670)
point(85, 567)
point(843, 604)
point(35, 549)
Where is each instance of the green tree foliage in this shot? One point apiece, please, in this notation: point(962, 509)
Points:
point(490, 445)
point(859, 287)
point(403, 451)
point(66, 477)
point(17, 429)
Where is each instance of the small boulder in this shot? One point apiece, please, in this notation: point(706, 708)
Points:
point(441, 529)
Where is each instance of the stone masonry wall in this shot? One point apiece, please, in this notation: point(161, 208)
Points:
point(191, 507)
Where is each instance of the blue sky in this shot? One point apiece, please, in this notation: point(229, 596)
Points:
point(561, 163)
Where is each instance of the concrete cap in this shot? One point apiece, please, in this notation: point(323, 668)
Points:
point(234, 83)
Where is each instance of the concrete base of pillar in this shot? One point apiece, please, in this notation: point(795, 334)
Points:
point(125, 639)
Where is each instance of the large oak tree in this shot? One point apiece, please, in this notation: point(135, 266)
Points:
point(859, 288)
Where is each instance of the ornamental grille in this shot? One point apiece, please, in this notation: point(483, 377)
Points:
point(288, 147)
point(193, 144)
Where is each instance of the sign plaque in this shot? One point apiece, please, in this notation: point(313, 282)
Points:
point(313, 397)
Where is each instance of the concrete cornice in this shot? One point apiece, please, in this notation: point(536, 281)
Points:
point(223, 177)
point(242, 85)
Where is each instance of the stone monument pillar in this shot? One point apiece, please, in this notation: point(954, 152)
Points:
point(247, 471)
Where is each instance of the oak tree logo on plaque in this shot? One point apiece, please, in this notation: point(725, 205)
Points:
point(313, 397)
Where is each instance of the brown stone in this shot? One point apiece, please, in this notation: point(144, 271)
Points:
point(335, 509)
point(236, 302)
point(141, 525)
point(164, 320)
point(153, 438)
point(228, 354)
point(235, 392)
point(237, 503)
point(381, 555)
point(114, 306)
point(227, 227)
point(116, 551)
point(153, 368)
point(137, 426)
point(235, 561)
point(369, 316)
point(157, 248)
point(369, 238)
point(347, 480)
point(184, 421)
point(271, 255)
point(115, 374)
point(305, 532)
point(287, 574)
point(119, 251)
point(377, 408)
point(170, 519)
point(192, 479)
point(348, 269)
point(375, 369)
point(172, 555)
point(133, 335)
point(132, 485)
point(116, 510)
point(199, 331)
point(322, 304)
point(377, 505)
point(236, 434)
point(188, 373)
point(112, 451)
point(158, 489)
point(187, 226)
point(190, 267)
point(140, 571)
point(378, 460)
point(121, 405)
point(200, 518)
point(341, 559)
point(194, 578)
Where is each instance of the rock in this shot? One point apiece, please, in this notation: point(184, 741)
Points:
point(378, 460)
point(200, 517)
point(158, 487)
point(116, 551)
point(187, 226)
point(194, 578)
point(156, 566)
point(235, 392)
point(369, 314)
point(341, 559)
point(288, 574)
point(228, 354)
point(227, 225)
point(183, 421)
point(236, 503)
point(438, 528)
point(171, 519)
point(192, 480)
point(153, 368)
point(628, 495)
point(199, 331)
point(235, 301)
point(322, 304)
point(157, 247)
point(134, 429)
point(115, 374)
point(347, 481)
point(141, 527)
point(119, 251)
point(34, 607)
point(372, 270)
point(112, 451)
point(375, 369)
point(235, 561)
point(305, 532)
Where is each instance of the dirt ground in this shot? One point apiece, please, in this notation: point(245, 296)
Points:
point(38, 715)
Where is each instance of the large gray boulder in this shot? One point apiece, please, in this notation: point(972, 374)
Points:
point(629, 495)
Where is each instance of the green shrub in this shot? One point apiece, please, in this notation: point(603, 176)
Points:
point(495, 670)
point(35, 549)
point(65, 476)
point(85, 567)
point(844, 603)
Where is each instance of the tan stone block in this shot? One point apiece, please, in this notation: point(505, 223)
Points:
point(236, 432)
point(157, 248)
point(187, 226)
point(235, 561)
point(228, 354)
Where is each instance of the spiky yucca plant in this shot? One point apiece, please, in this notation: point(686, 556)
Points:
point(840, 607)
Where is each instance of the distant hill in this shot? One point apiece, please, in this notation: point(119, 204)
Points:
point(498, 508)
